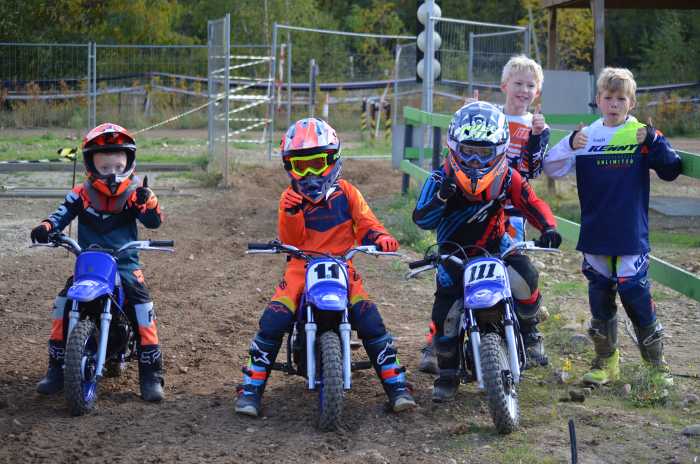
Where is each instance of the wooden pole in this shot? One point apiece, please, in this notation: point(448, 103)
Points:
point(598, 10)
point(552, 63)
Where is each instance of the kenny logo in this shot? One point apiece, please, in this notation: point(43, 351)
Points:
point(612, 148)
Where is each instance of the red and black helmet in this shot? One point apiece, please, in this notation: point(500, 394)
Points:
point(109, 138)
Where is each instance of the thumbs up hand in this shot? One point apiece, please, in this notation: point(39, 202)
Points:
point(145, 196)
point(578, 138)
point(646, 134)
point(538, 123)
point(473, 98)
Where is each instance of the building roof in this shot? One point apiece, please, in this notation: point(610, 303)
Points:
point(626, 4)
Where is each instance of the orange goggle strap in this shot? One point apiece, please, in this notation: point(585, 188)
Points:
point(315, 164)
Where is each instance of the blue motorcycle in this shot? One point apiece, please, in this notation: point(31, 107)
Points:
point(319, 346)
point(99, 331)
point(492, 350)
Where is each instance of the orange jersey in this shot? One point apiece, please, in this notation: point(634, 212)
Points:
point(525, 151)
point(332, 226)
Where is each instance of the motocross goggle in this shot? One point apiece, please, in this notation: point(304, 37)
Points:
point(467, 154)
point(304, 165)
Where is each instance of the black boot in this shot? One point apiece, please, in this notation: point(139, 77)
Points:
point(52, 383)
point(263, 353)
point(428, 360)
point(528, 318)
point(445, 386)
point(382, 353)
point(447, 352)
point(151, 379)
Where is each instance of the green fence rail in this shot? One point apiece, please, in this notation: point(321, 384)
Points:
point(661, 271)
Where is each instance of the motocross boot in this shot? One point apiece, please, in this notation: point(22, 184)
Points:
point(263, 353)
point(382, 353)
point(528, 318)
point(606, 364)
point(428, 360)
point(52, 383)
point(446, 385)
point(151, 379)
point(651, 347)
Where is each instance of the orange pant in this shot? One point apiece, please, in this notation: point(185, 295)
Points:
point(289, 290)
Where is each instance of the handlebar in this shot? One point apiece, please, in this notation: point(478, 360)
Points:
point(431, 261)
point(62, 240)
point(275, 246)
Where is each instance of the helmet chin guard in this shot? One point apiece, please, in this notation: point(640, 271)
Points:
point(318, 188)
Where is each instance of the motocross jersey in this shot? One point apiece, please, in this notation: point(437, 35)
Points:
point(612, 176)
point(526, 150)
point(107, 222)
point(478, 222)
point(332, 226)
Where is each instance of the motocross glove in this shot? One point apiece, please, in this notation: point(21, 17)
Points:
point(447, 189)
point(387, 243)
point(40, 234)
point(292, 201)
point(550, 238)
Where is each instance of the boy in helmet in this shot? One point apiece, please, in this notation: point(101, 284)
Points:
point(612, 158)
point(464, 201)
point(108, 205)
point(521, 83)
point(321, 212)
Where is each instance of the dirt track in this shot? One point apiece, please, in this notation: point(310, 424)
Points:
point(208, 298)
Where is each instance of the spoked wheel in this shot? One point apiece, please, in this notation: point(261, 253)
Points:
point(80, 382)
point(498, 383)
point(330, 403)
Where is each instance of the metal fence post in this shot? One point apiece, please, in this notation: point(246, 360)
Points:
point(227, 92)
point(271, 106)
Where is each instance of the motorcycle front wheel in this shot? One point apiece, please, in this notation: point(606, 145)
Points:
point(80, 383)
point(498, 384)
point(330, 403)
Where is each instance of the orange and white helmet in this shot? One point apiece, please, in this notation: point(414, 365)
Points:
point(477, 139)
point(109, 138)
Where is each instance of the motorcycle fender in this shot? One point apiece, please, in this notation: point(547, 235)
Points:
point(88, 290)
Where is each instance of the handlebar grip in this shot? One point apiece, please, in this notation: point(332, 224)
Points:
point(162, 243)
point(419, 263)
point(259, 246)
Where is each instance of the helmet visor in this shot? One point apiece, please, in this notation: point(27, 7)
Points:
point(310, 164)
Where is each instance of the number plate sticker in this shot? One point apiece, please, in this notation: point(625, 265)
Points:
point(484, 270)
point(325, 271)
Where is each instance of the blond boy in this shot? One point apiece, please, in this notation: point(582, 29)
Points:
point(612, 158)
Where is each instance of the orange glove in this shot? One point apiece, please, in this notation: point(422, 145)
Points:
point(387, 243)
point(291, 201)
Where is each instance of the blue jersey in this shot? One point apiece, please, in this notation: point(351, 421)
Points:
point(612, 176)
point(108, 222)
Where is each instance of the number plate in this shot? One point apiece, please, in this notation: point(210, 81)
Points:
point(484, 270)
point(324, 271)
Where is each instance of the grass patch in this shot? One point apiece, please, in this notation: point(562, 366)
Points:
point(369, 147)
point(647, 390)
point(674, 239)
point(397, 216)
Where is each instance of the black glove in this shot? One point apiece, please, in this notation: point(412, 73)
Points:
point(40, 234)
point(651, 135)
point(550, 238)
point(447, 189)
point(143, 193)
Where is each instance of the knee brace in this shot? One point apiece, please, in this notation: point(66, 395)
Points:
point(635, 295)
point(275, 321)
point(601, 294)
point(604, 336)
point(650, 342)
point(366, 320)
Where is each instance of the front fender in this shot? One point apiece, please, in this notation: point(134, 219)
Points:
point(485, 295)
point(88, 290)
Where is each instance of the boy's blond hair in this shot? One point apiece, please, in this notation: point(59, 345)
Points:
point(617, 80)
point(520, 63)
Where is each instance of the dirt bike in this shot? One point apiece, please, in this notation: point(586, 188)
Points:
point(319, 346)
point(99, 330)
point(492, 350)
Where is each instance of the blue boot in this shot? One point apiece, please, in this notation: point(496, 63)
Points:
point(263, 353)
point(52, 383)
point(382, 353)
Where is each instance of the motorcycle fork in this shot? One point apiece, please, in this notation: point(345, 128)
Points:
point(511, 343)
point(105, 320)
point(310, 327)
point(344, 328)
point(475, 342)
